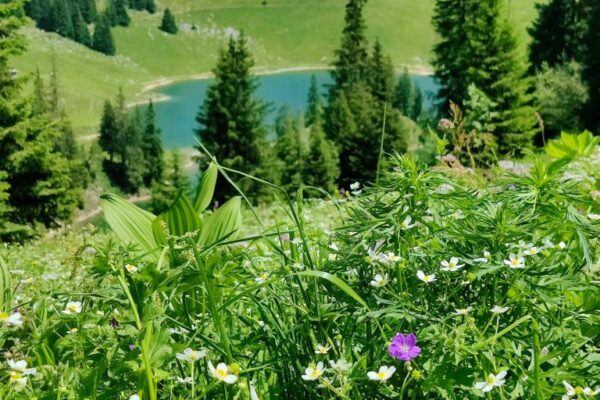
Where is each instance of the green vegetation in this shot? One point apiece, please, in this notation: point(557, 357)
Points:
point(168, 23)
point(282, 34)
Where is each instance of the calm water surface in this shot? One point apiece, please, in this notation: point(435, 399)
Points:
point(177, 116)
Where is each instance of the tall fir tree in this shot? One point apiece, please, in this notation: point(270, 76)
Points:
point(102, 39)
point(314, 108)
point(478, 47)
point(289, 148)
point(320, 168)
point(150, 6)
point(403, 99)
point(62, 18)
point(168, 23)
point(351, 64)
point(591, 67)
point(44, 21)
point(152, 147)
point(109, 130)
point(231, 117)
point(132, 154)
point(89, 10)
point(81, 34)
point(417, 104)
point(118, 13)
point(381, 75)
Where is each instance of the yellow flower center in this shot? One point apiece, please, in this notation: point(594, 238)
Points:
point(72, 308)
point(514, 262)
point(578, 390)
point(315, 373)
point(490, 380)
point(15, 376)
point(222, 373)
point(381, 375)
point(3, 316)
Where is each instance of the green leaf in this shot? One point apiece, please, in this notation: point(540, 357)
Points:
point(223, 223)
point(5, 286)
point(572, 146)
point(337, 282)
point(180, 219)
point(206, 188)
point(130, 223)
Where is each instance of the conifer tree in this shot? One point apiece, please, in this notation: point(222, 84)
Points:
point(152, 147)
point(81, 34)
point(34, 10)
point(54, 100)
point(289, 148)
point(591, 67)
point(38, 105)
point(381, 75)
point(44, 20)
point(352, 58)
point(118, 13)
point(88, 9)
point(109, 130)
point(150, 6)
point(132, 155)
point(404, 95)
point(314, 109)
point(102, 39)
point(417, 104)
point(321, 167)
point(62, 18)
point(168, 23)
point(231, 118)
point(173, 180)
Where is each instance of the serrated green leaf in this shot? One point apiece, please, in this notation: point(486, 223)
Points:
point(223, 223)
point(206, 188)
point(129, 222)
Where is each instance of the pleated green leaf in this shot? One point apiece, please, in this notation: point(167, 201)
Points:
point(337, 282)
point(179, 219)
point(223, 223)
point(206, 188)
point(129, 222)
point(5, 286)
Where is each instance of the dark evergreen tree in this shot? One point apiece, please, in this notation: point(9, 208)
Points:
point(591, 67)
point(152, 148)
point(34, 10)
point(109, 130)
point(417, 104)
point(231, 118)
point(404, 96)
point(351, 64)
point(81, 34)
point(38, 104)
point(168, 23)
point(118, 13)
point(381, 75)
point(173, 181)
point(88, 10)
point(132, 156)
point(44, 21)
point(320, 168)
point(62, 18)
point(102, 39)
point(314, 109)
point(289, 148)
point(150, 6)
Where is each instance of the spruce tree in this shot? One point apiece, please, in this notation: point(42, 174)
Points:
point(45, 20)
point(81, 34)
point(150, 6)
point(102, 39)
point(404, 95)
point(132, 156)
point(591, 67)
point(381, 75)
point(352, 58)
point(231, 117)
point(289, 148)
point(168, 23)
point(417, 104)
point(62, 16)
point(109, 130)
point(38, 105)
point(34, 10)
point(88, 10)
point(320, 168)
point(152, 148)
point(118, 13)
point(314, 109)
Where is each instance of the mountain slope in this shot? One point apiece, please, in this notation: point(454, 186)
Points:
point(282, 34)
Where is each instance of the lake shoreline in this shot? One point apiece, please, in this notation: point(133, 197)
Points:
point(260, 71)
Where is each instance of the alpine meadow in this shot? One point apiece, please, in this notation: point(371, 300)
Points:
point(299, 199)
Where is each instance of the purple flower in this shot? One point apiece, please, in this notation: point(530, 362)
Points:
point(132, 347)
point(404, 347)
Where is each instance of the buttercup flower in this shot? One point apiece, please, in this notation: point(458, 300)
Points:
point(262, 278)
point(14, 319)
point(383, 375)
point(406, 224)
point(404, 347)
point(390, 258)
point(451, 265)
point(222, 373)
point(322, 349)
point(131, 268)
point(577, 390)
point(73, 307)
point(531, 250)
point(425, 278)
point(515, 262)
point(379, 281)
point(491, 382)
point(19, 372)
point(312, 374)
point(340, 365)
point(190, 355)
point(499, 310)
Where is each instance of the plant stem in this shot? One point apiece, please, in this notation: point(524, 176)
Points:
point(536, 360)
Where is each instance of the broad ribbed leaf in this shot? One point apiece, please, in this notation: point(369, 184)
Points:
point(206, 188)
point(337, 282)
point(129, 222)
point(180, 218)
point(5, 286)
point(223, 223)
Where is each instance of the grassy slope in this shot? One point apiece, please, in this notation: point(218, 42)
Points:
point(282, 35)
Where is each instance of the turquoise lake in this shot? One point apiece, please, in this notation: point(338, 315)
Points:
point(177, 116)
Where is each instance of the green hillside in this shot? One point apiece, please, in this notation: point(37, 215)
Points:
point(282, 34)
